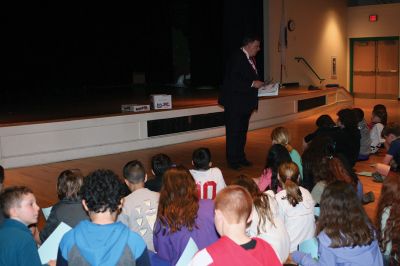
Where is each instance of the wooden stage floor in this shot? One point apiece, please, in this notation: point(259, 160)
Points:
point(105, 103)
point(42, 178)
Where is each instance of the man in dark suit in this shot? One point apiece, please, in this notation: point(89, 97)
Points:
point(239, 98)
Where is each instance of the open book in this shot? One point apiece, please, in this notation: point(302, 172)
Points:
point(269, 90)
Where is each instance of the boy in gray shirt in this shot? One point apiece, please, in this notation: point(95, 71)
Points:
point(139, 210)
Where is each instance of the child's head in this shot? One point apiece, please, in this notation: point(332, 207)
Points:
point(19, 203)
point(233, 206)
point(343, 217)
point(280, 135)
point(379, 116)
point(347, 119)
point(179, 199)
point(390, 198)
point(359, 114)
point(288, 175)
point(379, 107)
point(134, 172)
point(201, 159)
point(69, 184)
point(391, 132)
point(160, 163)
point(102, 191)
point(277, 155)
point(1, 177)
point(325, 121)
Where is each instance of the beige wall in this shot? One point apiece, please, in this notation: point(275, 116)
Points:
point(321, 32)
point(388, 23)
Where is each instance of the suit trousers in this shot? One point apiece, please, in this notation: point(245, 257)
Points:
point(236, 126)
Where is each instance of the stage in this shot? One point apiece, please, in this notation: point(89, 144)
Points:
point(94, 125)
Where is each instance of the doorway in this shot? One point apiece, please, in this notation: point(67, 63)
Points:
point(374, 67)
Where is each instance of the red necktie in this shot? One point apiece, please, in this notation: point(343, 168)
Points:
point(253, 63)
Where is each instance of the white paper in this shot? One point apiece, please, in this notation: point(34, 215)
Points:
point(48, 250)
point(189, 252)
point(46, 212)
point(269, 90)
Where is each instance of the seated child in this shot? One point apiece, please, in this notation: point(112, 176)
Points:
point(378, 122)
point(280, 135)
point(69, 209)
point(209, 180)
point(391, 133)
point(17, 245)
point(182, 215)
point(296, 206)
point(1, 189)
point(102, 241)
point(233, 206)
point(345, 234)
point(388, 218)
point(365, 142)
point(139, 210)
point(268, 180)
point(326, 127)
point(266, 223)
point(159, 164)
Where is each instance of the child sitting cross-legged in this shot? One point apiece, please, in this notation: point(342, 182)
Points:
point(233, 206)
point(102, 241)
point(209, 180)
point(139, 210)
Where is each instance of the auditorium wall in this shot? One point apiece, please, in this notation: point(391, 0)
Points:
point(320, 34)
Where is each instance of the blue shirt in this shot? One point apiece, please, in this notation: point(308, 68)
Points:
point(17, 246)
point(394, 150)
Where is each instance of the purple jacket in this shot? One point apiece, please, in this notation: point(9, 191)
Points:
point(347, 256)
point(171, 246)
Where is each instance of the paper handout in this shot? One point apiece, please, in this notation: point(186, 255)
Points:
point(269, 90)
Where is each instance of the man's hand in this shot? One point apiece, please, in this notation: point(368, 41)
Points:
point(257, 84)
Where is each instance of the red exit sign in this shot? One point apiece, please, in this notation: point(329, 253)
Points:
point(373, 18)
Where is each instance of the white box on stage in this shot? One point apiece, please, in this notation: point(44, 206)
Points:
point(135, 108)
point(161, 101)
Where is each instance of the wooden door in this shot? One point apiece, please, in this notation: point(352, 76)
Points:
point(364, 76)
point(387, 69)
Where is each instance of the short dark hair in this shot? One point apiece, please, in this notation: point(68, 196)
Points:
point(250, 38)
point(102, 190)
point(160, 163)
point(201, 158)
point(1, 174)
point(382, 114)
point(325, 121)
point(12, 197)
point(134, 172)
point(359, 114)
point(391, 128)
point(69, 184)
point(348, 118)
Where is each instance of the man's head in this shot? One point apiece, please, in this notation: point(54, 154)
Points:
point(252, 45)
point(160, 163)
point(134, 172)
point(233, 206)
point(391, 132)
point(19, 203)
point(201, 159)
point(102, 191)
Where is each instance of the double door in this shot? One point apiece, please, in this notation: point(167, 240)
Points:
point(376, 68)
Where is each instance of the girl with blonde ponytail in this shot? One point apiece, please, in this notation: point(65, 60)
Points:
point(296, 205)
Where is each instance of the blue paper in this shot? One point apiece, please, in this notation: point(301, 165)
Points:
point(189, 252)
point(48, 251)
point(317, 211)
point(310, 246)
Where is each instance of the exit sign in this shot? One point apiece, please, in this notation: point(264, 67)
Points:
point(373, 18)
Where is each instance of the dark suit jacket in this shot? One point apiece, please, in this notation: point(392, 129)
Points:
point(236, 89)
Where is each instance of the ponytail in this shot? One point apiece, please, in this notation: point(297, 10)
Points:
point(293, 193)
point(288, 175)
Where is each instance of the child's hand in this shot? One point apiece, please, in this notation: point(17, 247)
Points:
point(52, 263)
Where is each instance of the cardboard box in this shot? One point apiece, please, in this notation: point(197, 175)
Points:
point(135, 108)
point(161, 101)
